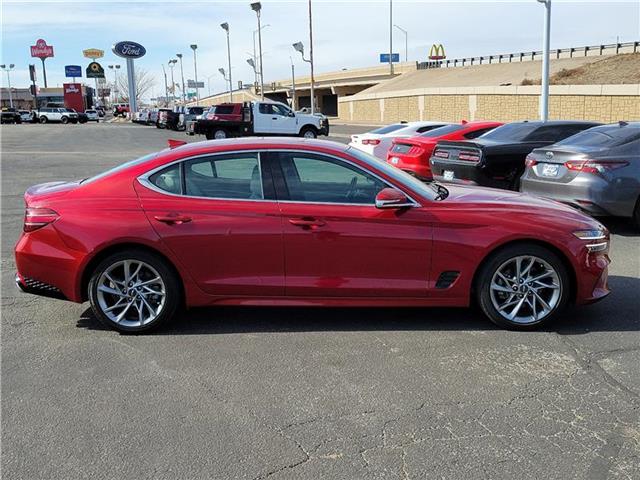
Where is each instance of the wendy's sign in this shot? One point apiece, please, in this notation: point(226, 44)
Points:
point(129, 50)
point(41, 49)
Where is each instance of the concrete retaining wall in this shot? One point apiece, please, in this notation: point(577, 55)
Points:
point(604, 103)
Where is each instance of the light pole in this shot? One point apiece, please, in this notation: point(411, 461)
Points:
point(184, 97)
point(224, 75)
point(390, 36)
point(544, 94)
point(116, 90)
point(256, 7)
point(166, 88)
point(293, 84)
point(255, 56)
point(209, 83)
point(299, 47)
point(172, 63)
point(406, 42)
point(225, 27)
point(8, 69)
point(194, 47)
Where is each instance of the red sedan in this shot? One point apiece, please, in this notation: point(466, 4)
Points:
point(412, 154)
point(299, 222)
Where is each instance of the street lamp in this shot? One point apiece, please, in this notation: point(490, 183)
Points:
point(209, 83)
point(225, 27)
point(116, 90)
point(184, 98)
point(257, 7)
point(194, 47)
point(391, 37)
point(544, 94)
point(172, 63)
point(166, 87)
point(293, 84)
point(8, 70)
point(406, 42)
point(299, 47)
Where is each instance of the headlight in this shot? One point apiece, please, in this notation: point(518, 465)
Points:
point(598, 239)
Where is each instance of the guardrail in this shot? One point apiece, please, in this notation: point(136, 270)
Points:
point(629, 47)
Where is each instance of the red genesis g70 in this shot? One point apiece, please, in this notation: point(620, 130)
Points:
point(412, 154)
point(300, 222)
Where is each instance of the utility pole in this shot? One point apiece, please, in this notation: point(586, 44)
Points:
point(184, 97)
point(225, 26)
point(194, 47)
point(293, 85)
point(406, 42)
point(8, 68)
point(166, 88)
point(390, 36)
point(544, 94)
point(172, 63)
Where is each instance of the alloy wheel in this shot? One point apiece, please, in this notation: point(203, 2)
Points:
point(525, 289)
point(309, 134)
point(131, 293)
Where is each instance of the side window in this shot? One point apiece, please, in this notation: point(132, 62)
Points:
point(554, 133)
point(315, 178)
point(168, 179)
point(265, 108)
point(280, 110)
point(235, 176)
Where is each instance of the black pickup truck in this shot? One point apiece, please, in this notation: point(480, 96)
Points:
point(497, 158)
point(10, 115)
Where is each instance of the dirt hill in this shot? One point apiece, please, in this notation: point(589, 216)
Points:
point(611, 70)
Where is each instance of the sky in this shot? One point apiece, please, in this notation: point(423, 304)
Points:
point(347, 34)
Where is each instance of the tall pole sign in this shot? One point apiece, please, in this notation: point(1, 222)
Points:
point(42, 51)
point(130, 51)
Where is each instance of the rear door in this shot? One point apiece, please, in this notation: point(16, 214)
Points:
point(218, 215)
point(336, 242)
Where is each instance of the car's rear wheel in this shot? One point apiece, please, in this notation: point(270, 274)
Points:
point(523, 286)
point(44, 119)
point(64, 120)
point(220, 133)
point(134, 291)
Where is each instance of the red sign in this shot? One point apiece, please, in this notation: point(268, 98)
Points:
point(73, 97)
point(41, 49)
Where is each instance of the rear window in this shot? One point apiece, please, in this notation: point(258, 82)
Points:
point(223, 109)
point(389, 128)
point(438, 132)
point(602, 137)
point(511, 131)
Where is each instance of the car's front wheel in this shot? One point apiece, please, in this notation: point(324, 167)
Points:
point(523, 286)
point(134, 291)
point(44, 119)
point(309, 132)
point(64, 120)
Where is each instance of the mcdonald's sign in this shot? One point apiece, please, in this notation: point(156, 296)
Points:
point(436, 52)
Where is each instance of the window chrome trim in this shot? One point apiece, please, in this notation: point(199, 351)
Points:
point(144, 178)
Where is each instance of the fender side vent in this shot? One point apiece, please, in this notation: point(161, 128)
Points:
point(446, 279)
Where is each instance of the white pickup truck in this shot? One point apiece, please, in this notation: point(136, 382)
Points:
point(257, 118)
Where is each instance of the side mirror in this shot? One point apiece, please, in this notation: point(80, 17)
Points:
point(292, 114)
point(392, 198)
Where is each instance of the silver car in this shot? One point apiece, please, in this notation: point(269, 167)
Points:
point(597, 171)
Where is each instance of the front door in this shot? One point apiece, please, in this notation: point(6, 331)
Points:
point(336, 242)
point(221, 221)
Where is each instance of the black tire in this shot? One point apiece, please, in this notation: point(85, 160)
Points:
point(220, 134)
point(18, 121)
point(44, 119)
point(172, 286)
point(636, 215)
point(500, 258)
point(64, 120)
point(309, 132)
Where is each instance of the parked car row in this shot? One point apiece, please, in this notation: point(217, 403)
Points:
point(587, 165)
point(51, 114)
point(170, 118)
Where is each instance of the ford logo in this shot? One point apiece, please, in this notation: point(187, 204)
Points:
point(129, 50)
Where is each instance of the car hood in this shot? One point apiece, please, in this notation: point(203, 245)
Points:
point(504, 200)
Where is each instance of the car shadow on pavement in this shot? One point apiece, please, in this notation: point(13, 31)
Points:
point(620, 226)
point(619, 312)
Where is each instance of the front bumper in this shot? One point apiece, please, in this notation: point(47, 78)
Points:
point(324, 128)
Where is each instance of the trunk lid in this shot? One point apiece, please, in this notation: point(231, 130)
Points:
point(37, 194)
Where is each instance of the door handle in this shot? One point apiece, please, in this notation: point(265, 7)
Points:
point(274, 118)
point(173, 219)
point(306, 223)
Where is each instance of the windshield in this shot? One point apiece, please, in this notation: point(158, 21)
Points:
point(389, 128)
point(438, 132)
point(600, 137)
point(120, 167)
point(428, 190)
point(511, 131)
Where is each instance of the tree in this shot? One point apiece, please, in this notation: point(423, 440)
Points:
point(144, 83)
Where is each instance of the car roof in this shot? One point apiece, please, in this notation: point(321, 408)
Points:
point(250, 143)
point(556, 123)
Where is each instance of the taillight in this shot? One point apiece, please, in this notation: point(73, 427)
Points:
point(469, 157)
point(441, 154)
point(530, 161)
point(595, 167)
point(35, 218)
point(370, 141)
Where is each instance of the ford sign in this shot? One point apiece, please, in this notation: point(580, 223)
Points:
point(129, 50)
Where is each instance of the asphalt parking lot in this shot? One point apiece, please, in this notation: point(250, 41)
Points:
point(304, 393)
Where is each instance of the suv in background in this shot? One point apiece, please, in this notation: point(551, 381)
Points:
point(189, 114)
point(120, 109)
point(49, 114)
point(92, 115)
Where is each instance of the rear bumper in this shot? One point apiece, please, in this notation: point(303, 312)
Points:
point(595, 196)
point(466, 174)
point(35, 287)
point(417, 166)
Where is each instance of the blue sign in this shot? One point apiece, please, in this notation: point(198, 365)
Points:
point(72, 71)
point(129, 50)
point(384, 58)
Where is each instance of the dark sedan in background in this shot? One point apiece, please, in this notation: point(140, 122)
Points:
point(597, 171)
point(497, 158)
